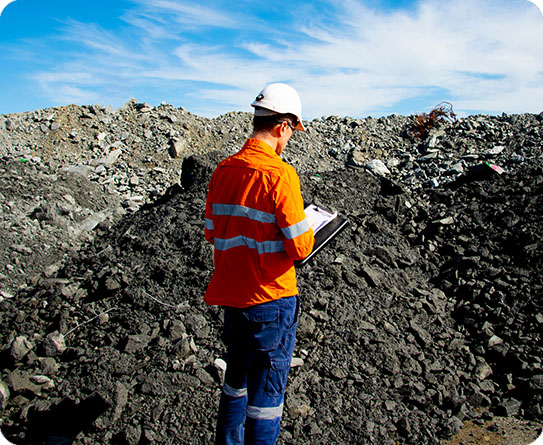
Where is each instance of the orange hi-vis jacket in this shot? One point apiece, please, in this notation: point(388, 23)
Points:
point(255, 219)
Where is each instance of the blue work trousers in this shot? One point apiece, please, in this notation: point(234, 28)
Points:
point(260, 342)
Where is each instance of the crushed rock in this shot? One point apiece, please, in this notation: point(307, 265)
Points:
point(422, 319)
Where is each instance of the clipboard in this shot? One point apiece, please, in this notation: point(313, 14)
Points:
point(326, 234)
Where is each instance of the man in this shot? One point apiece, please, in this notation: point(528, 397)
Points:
point(255, 219)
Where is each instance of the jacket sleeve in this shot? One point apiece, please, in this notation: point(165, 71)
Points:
point(298, 237)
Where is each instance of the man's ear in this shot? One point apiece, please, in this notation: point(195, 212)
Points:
point(276, 130)
point(281, 128)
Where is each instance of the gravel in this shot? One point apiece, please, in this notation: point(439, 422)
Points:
point(422, 318)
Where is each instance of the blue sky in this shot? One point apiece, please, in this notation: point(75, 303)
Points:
point(353, 58)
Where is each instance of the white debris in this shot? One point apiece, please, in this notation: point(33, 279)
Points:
point(377, 167)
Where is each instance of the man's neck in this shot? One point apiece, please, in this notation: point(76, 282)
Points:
point(265, 137)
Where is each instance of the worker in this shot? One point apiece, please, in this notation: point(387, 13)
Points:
point(255, 219)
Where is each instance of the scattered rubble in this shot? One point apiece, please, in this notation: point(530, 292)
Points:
point(423, 315)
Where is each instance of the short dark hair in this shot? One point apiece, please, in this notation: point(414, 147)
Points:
point(266, 123)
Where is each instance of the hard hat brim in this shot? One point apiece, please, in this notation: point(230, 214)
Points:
point(259, 111)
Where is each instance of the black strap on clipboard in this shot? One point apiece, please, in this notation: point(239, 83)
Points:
point(323, 237)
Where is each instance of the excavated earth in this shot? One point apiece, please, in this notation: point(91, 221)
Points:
point(421, 323)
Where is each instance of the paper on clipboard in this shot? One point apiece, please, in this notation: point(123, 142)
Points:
point(326, 226)
point(318, 217)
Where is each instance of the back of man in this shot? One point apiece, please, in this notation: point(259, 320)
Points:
point(255, 204)
point(255, 220)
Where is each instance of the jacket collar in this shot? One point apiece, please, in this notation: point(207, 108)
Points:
point(263, 147)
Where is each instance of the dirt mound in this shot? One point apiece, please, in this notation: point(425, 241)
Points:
point(424, 313)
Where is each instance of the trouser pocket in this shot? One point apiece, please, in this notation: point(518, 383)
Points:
point(264, 327)
point(276, 380)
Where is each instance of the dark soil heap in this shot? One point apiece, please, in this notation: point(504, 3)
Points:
point(424, 313)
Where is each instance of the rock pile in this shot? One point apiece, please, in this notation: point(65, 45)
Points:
point(424, 313)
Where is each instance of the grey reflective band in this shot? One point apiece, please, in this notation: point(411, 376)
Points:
point(209, 224)
point(296, 229)
point(261, 247)
point(247, 212)
point(233, 392)
point(256, 412)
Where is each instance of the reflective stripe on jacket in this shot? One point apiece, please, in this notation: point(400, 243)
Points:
point(255, 219)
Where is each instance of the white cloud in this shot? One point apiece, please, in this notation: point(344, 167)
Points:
point(538, 3)
point(69, 94)
point(464, 49)
point(100, 43)
point(482, 55)
point(191, 15)
point(3, 4)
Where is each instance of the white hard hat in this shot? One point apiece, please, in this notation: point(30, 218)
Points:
point(279, 98)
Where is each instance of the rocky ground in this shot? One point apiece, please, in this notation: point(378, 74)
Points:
point(421, 323)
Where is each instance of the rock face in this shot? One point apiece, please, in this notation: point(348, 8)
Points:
point(425, 312)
